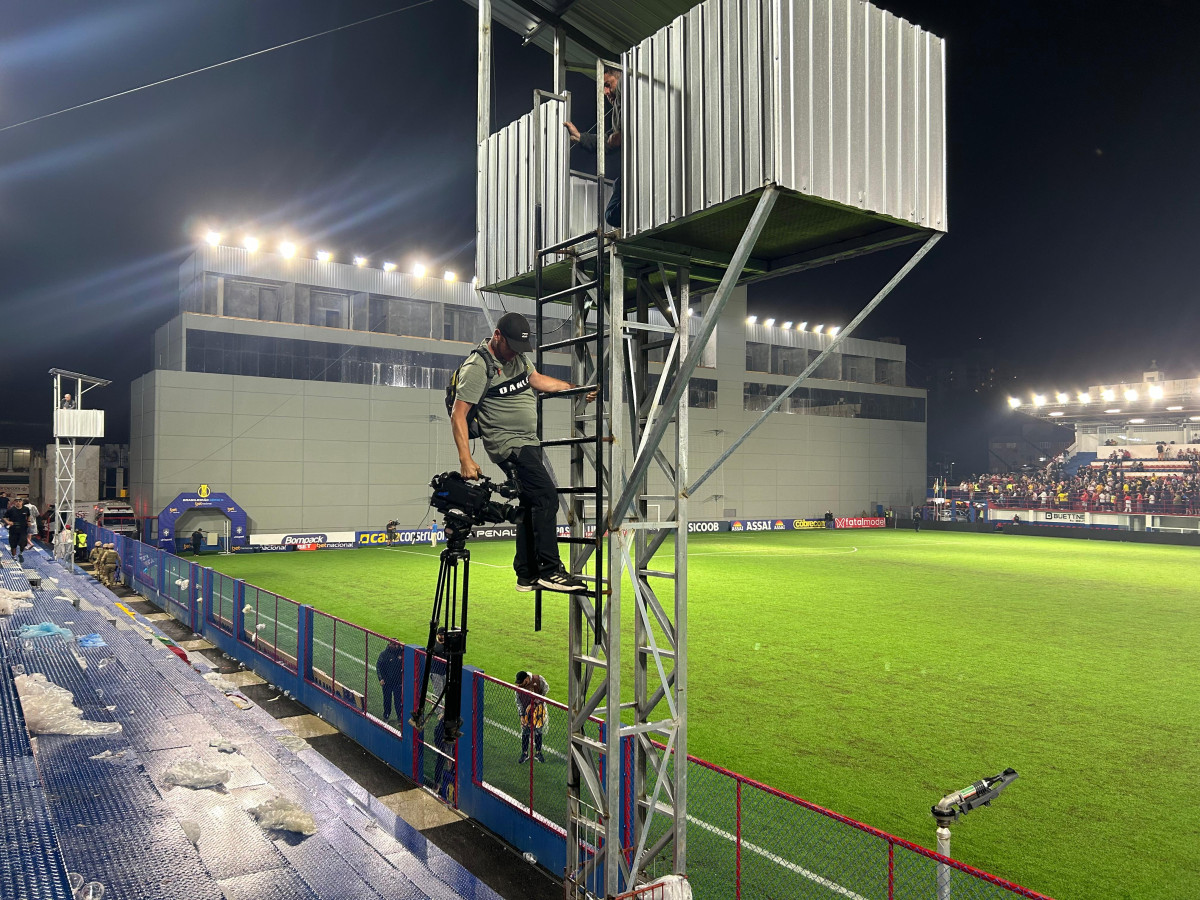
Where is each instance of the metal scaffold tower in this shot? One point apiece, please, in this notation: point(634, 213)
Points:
point(729, 175)
point(71, 423)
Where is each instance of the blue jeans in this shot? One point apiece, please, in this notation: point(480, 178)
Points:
point(612, 212)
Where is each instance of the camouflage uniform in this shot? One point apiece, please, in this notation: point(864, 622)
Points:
point(109, 562)
point(94, 556)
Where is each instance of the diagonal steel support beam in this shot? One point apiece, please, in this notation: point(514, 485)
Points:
point(816, 363)
point(688, 365)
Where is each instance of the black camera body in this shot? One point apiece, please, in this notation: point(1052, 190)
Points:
point(464, 504)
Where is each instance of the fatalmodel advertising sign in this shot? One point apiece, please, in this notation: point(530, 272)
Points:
point(870, 522)
point(203, 498)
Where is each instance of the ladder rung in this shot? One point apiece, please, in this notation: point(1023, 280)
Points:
point(589, 742)
point(662, 651)
point(590, 661)
point(583, 541)
point(570, 292)
point(578, 490)
point(656, 574)
point(568, 442)
point(569, 242)
point(570, 342)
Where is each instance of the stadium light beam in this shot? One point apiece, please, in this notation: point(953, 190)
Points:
point(450, 276)
point(801, 326)
point(324, 256)
point(1108, 394)
point(750, 320)
point(419, 270)
point(834, 329)
point(287, 249)
point(360, 261)
point(1013, 402)
point(389, 267)
point(817, 329)
point(1039, 400)
point(786, 326)
point(1085, 397)
point(1155, 392)
point(213, 238)
point(1061, 397)
point(769, 322)
point(1131, 395)
point(250, 243)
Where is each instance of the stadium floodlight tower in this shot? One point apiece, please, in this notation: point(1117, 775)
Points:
point(72, 423)
point(757, 138)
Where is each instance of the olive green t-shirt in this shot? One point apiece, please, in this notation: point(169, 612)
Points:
point(508, 414)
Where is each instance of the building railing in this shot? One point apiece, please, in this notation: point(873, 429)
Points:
point(745, 839)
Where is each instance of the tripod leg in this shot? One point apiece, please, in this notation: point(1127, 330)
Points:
point(445, 576)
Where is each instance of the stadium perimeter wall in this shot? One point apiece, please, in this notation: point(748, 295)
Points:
point(745, 838)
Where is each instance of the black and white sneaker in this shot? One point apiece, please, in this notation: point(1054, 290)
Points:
point(562, 581)
point(525, 585)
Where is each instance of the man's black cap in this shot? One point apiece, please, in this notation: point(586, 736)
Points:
point(515, 328)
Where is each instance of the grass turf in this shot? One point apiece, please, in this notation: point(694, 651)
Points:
point(872, 672)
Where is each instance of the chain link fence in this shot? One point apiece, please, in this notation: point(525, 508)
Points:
point(346, 664)
point(437, 758)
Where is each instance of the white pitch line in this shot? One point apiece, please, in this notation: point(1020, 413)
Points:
point(776, 552)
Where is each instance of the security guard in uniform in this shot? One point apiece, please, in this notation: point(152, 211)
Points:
point(110, 561)
point(80, 545)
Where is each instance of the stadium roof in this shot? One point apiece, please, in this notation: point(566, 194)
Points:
point(604, 28)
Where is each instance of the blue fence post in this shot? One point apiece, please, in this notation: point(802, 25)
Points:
point(206, 602)
point(304, 648)
point(239, 617)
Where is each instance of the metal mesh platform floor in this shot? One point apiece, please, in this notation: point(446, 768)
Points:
point(113, 819)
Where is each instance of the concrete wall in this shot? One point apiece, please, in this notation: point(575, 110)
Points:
point(87, 476)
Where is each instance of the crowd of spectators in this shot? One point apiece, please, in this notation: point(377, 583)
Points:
point(1117, 484)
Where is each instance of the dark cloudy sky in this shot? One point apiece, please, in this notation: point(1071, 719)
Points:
point(1073, 164)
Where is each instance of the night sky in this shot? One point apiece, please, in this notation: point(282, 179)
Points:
point(1073, 163)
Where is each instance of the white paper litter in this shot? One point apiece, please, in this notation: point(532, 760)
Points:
point(191, 828)
point(282, 814)
point(223, 746)
point(50, 709)
point(219, 682)
point(196, 773)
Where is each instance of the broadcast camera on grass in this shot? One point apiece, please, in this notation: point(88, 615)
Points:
point(463, 505)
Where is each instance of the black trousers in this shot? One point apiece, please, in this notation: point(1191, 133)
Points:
point(537, 537)
point(16, 539)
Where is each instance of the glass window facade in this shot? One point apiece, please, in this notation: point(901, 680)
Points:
point(757, 397)
point(222, 353)
point(702, 393)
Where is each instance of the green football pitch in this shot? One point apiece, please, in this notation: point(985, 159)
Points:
point(872, 672)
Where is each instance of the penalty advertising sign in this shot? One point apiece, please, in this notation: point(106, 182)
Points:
point(203, 498)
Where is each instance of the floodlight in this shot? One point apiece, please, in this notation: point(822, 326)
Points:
point(1108, 394)
point(287, 249)
point(213, 238)
point(1085, 397)
point(324, 256)
point(801, 326)
point(769, 322)
point(1174, 408)
point(1039, 399)
point(1155, 392)
point(360, 261)
point(450, 276)
point(475, 281)
point(389, 267)
point(1061, 397)
point(1112, 411)
point(1137, 421)
point(1131, 395)
point(1013, 402)
point(419, 270)
point(834, 329)
point(786, 326)
point(250, 243)
point(817, 329)
point(1057, 412)
point(750, 320)
point(691, 310)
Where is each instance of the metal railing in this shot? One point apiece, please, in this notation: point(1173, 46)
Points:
point(745, 839)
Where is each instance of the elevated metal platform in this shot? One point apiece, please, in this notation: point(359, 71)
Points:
point(112, 820)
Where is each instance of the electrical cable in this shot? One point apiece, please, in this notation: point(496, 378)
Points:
point(213, 66)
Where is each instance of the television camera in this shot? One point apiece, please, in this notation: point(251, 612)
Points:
point(463, 505)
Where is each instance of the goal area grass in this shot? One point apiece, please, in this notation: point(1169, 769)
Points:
point(872, 672)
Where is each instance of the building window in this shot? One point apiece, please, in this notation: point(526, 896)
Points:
point(702, 393)
point(758, 357)
point(20, 460)
point(840, 404)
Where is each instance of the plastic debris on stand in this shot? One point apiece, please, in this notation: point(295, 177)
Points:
point(195, 774)
point(292, 742)
point(280, 813)
point(220, 683)
point(50, 709)
point(45, 629)
point(191, 828)
point(223, 746)
point(92, 640)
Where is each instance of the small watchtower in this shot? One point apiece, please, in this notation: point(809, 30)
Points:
point(757, 138)
point(72, 423)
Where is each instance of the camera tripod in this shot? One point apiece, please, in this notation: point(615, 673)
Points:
point(446, 628)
